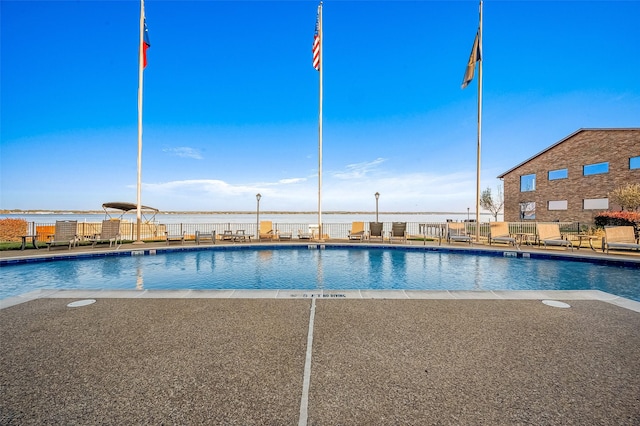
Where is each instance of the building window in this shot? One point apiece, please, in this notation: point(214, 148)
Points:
point(558, 174)
point(528, 210)
point(634, 162)
point(595, 203)
point(527, 183)
point(557, 205)
point(595, 169)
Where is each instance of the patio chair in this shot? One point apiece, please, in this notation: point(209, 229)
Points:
point(314, 229)
point(357, 231)
point(398, 231)
point(305, 235)
point(266, 231)
point(457, 232)
point(375, 231)
point(284, 235)
point(176, 237)
point(201, 236)
point(620, 238)
point(65, 234)
point(499, 233)
point(110, 232)
point(549, 234)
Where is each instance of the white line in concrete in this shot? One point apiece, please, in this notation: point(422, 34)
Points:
point(306, 381)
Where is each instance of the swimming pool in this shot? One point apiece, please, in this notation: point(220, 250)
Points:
point(334, 268)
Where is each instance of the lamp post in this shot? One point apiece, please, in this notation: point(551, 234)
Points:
point(258, 196)
point(377, 194)
point(468, 217)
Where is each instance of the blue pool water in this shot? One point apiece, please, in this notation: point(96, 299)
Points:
point(330, 269)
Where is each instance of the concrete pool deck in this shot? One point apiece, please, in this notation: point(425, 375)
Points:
point(371, 362)
point(336, 357)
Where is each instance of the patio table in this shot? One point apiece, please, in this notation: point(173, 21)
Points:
point(585, 237)
point(525, 237)
point(34, 241)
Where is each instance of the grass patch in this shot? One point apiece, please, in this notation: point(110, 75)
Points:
point(12, 245)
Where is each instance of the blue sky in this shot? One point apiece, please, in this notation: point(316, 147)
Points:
point(231, 99)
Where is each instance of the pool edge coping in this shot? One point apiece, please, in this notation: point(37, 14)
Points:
point(459, 295)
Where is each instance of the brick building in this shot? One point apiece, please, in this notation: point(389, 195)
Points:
point(570, 181)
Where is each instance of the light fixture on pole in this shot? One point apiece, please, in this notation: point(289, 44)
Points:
point(377, 194)
point(468, 217)
point(258, 196)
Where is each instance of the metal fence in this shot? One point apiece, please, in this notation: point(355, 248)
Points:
point(159, 231)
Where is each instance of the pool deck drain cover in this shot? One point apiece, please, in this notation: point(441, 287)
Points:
point(556, 304)
point(80, 303)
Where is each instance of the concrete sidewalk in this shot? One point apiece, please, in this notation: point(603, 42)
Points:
point(373, 362)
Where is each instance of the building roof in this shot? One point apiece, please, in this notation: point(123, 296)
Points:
point(558, 143)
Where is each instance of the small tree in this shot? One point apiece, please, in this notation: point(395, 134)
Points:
point(487, 201)
point(627, 196)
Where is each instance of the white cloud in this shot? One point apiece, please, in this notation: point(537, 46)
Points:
point(207, 186)
point(403, 192)
point(184, 152)
point(292, 180)
point(214, 194)
point(398, 192)
point(358, 170)
point(350, 190)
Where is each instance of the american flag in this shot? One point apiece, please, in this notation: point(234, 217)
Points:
point(145, 45)
point(316, 42)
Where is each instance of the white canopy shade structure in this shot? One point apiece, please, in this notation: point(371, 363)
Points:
point(119, 209)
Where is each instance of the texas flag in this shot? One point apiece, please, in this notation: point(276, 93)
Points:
point(145, 45)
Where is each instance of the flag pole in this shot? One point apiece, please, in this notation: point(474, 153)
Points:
point(140, 75)
point(479, 126)
point(320, 236)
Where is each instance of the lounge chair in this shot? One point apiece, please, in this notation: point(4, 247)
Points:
point(266, 231)
point(549, 234)
point(457, 232)
point(110, 232)
point(65, 234)
point(398, 231)
point(375, 231)
point(357, 231)
point(620, 238)
point(499, 233)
